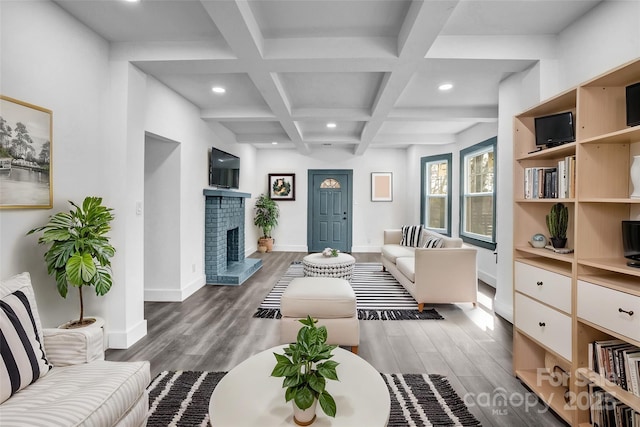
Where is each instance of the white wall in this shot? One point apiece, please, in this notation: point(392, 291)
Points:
point(57, 63)
point(161, 214)
point(369, 218)
point(606, 37)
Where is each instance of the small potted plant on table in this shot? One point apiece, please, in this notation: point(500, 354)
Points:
point(305, 367)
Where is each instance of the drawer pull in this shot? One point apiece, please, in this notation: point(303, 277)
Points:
point(541, 324)
point(539, 283)
point(630, 312)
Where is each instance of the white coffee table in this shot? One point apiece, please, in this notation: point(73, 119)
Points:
point(249, 396)
point(318, 265)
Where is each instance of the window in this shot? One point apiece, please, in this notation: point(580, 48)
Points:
point(435, 205)
point(478, 194)
point(330, 183)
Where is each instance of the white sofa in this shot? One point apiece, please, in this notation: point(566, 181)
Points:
point(432, 275)
point(74, 386)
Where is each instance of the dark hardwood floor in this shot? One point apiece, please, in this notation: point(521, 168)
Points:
point(214, 330)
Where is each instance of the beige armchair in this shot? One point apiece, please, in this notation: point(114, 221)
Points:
point(432, 276)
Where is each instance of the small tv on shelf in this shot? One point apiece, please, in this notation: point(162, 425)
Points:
point(224, 169)
point(555, 129)
point(633, 104)
point(631, 242)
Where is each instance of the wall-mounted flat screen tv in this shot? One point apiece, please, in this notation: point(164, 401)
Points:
point(224, 169)
point(555, 129)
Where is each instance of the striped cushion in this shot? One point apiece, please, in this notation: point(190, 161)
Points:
point(433, 242)
point(21, 342)
point(99, 393)
point(411, 235)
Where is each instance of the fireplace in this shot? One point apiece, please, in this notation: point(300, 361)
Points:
point(224, 261)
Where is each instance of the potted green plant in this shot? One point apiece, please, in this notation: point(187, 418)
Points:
point(80, 252)
point(305, 367)
point(266, 218)
point(557, 222)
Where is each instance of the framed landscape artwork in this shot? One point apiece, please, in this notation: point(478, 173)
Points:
point(282, 186)
point(381, 187)
point(25, 155)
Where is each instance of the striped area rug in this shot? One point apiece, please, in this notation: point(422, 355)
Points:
point(379, 295)
point(181, 398)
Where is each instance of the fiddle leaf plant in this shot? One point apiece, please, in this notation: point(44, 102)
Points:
point(80, 252)
point(305, 367)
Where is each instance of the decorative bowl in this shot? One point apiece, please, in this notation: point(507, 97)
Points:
point(538, 240)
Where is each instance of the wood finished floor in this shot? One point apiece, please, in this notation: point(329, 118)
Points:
point(213, 330)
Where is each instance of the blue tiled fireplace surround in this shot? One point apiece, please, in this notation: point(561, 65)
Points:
point(224, 260)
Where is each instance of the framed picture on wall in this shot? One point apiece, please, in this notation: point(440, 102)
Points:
point(381, 186)
point(282, 186)
point(25, 155)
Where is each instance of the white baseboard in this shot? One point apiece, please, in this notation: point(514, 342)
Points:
point(290, 248)
point(487, 278)
point(123, 340)
point(366, 249)
point(174, 295)
point(503, 310)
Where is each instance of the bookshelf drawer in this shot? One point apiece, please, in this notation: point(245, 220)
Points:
point(551, 288)
point(544, 324)
point(609, 308)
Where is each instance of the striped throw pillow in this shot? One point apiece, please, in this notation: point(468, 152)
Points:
point(21, 345)
point(433, 242)
point(411, 235)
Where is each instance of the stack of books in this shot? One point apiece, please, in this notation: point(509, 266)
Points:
point(618, 362)
point(607, 411)
point(557, 182)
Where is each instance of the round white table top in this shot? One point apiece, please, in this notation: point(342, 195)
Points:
point(319, 259)
point(249, 396)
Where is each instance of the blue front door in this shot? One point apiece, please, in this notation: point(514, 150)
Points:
point(330, 210)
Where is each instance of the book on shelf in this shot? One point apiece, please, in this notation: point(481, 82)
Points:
point(618, 362)
point(607, 411)
point(550, 182)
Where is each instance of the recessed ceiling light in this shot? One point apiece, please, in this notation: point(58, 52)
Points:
point(218, 89)
point(132, 1)
point(274, 143)
point(331, 125)
point(445, 86)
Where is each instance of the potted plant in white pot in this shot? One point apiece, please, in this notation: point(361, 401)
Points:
point(80, 252)
point(305, 367)
point(266, 218)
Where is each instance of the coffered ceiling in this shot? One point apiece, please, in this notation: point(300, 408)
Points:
point(372, 67)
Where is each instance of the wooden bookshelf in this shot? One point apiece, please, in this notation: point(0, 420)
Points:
point(603, 150)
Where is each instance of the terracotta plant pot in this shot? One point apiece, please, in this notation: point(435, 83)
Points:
point(262, 249)
point(267, 242)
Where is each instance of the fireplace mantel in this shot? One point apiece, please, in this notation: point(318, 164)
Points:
point(224, 260)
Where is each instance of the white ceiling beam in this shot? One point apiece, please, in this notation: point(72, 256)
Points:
point(331, 47)
point(336, 114)
point(261, 138)
point(238, 116)
point(511, 47)
point(426, 138)
point(171, 51)
point(487, 113)
point(422, 24)
point(238, 26)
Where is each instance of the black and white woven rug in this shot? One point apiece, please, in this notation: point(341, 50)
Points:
point(379, 296)
point(181, 398)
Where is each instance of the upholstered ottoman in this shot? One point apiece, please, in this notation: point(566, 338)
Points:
point(330, 300)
